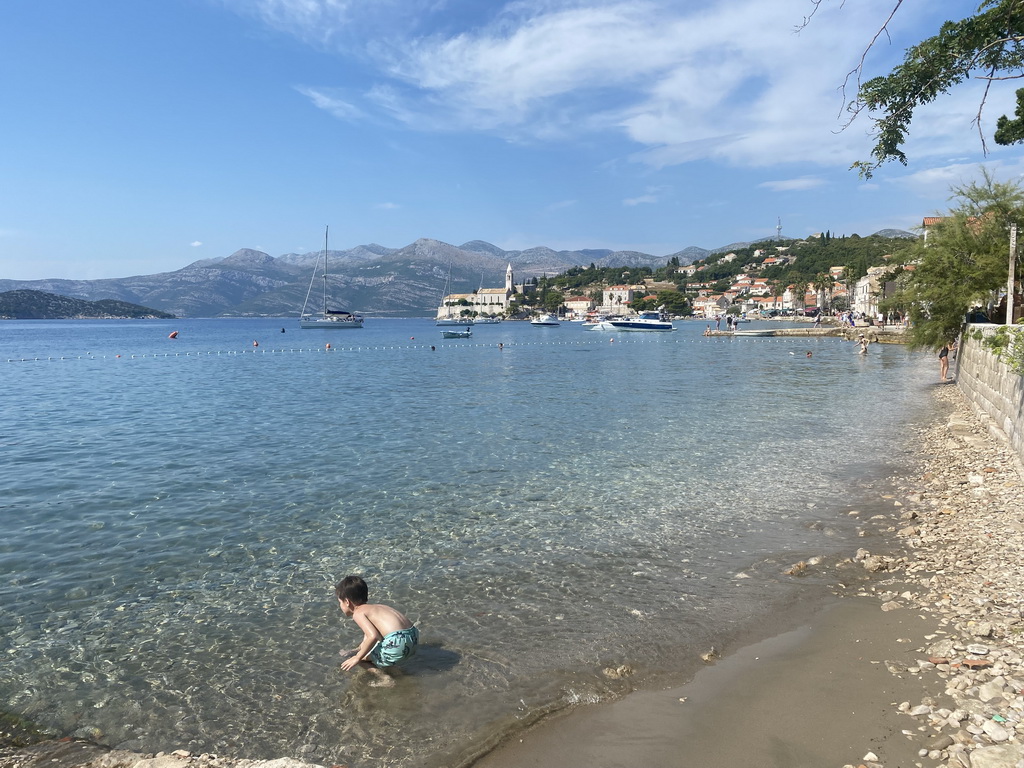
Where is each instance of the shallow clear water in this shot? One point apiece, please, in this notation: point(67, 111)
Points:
point(174, 518)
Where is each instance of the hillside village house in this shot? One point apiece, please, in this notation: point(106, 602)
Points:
point(616, 299)
point(868, 290)
point(578, 306)
point(710, 306)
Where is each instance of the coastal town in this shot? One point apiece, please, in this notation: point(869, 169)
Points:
point(751, 284)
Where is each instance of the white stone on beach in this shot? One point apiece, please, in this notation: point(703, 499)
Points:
point(997, 756)
point(995, 731)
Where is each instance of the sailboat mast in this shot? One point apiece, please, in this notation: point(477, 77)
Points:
point(327, 229)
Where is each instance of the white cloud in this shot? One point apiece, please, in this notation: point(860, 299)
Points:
point(195, 243)
point(937, 182)
point(793, 185)
point(652, 195)
point(387, 206)
point(327, 101)
point(642, 200)
point(724, 81)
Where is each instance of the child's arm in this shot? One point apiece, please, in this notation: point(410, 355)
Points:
point(370, 638)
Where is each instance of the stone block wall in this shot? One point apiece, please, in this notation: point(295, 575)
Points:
point(995, 392)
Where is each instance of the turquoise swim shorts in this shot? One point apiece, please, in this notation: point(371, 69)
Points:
point(395, 648)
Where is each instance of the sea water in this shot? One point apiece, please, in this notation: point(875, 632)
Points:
point(544, 503)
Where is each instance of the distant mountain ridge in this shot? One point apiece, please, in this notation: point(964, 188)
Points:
point(372, 279)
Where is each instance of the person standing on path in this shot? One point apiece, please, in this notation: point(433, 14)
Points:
point(944, 360)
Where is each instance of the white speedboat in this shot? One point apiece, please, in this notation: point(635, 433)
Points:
point(645, 321)
point(486, 320)
point(327, 318)
point(545, 319)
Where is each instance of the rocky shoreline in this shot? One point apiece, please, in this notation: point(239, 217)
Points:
point(962, 572)
point(958, 571)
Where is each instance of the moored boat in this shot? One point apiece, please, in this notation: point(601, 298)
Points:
point(547, 319)
point(327, 318)
point(466, 334)
point(645, 321)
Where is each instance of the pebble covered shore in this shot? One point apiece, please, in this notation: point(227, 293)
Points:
point(957, 561)
point(962, 570)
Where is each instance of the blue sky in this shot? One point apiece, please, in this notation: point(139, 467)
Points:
point(137, 137)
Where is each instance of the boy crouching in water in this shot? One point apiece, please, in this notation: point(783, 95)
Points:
point(389, 638)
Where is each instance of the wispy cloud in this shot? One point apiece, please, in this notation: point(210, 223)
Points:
point(560, 205)
point(387, 206)
point(793, 185)
point(725, 81)
point(330, 102)
point(196, 243)
point(651, 195)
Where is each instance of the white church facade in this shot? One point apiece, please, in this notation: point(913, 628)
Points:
point(486, 302)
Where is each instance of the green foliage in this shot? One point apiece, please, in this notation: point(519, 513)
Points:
point(1011, 131)
point(673, 302)
point(964, 263)
point(989, 43)
point(1007, 344)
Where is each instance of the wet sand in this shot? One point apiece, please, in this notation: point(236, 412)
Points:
point(818, 695)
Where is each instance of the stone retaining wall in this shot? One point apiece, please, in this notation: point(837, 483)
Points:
point(995, 393)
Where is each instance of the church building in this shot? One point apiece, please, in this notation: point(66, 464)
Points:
point(486, 302)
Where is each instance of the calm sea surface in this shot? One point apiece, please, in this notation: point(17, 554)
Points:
point(175, 513)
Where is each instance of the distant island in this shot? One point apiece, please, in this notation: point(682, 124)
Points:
point(39, 305)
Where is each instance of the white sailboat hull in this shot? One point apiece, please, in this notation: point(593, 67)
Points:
point(332, 321)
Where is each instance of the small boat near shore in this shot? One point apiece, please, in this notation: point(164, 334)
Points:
point(466, 334)
point(760, 332)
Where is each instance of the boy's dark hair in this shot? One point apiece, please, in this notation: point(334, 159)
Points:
point(352, 588)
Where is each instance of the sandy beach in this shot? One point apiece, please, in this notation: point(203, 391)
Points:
point(917, 661)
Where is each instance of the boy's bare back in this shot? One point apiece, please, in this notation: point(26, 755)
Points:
point(383, 617)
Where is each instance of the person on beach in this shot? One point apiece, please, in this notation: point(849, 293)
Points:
point(389, 638)
point(862, 342)
point(707, 331)
point(944, 360)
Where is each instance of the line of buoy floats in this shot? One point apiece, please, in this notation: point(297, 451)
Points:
point(329, 347)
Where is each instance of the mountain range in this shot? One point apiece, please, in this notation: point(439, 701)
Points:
point(371, 279)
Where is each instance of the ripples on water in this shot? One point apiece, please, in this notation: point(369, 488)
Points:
point(174, 524)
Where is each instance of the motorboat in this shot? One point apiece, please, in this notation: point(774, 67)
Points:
point(645, 321)
point(486, 320)
point(466, 334)
point(548, 318)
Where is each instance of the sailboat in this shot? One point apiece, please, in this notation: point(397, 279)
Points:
point(328, 318)
point(447, 318)
point(482, 319)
